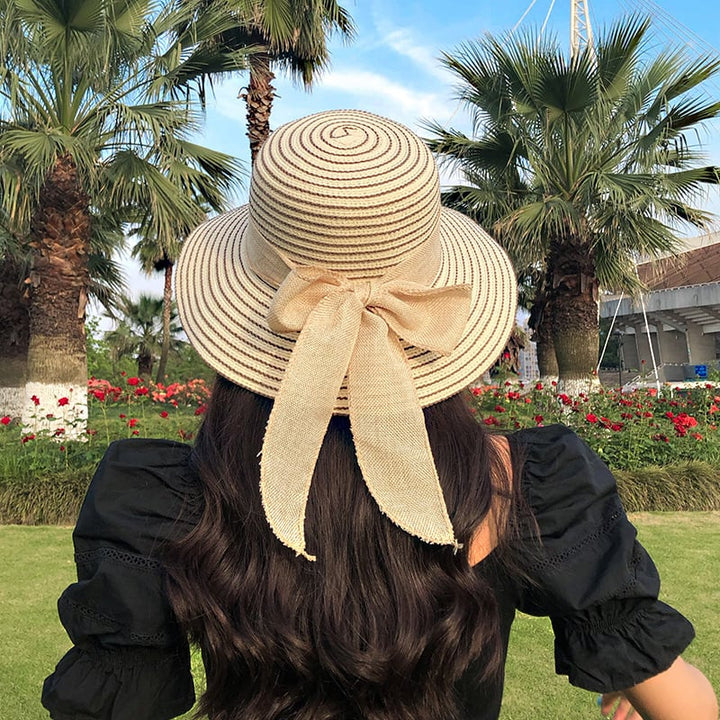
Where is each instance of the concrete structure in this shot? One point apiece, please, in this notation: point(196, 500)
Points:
point(683, 315)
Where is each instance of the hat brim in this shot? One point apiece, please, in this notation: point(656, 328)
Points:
point(223, 306)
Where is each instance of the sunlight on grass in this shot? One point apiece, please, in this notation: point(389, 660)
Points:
point(38, 565)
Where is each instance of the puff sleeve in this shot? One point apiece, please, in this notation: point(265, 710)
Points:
point(592, 578)
point(130, 660)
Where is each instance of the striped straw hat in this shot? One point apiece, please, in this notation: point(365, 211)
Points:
point(344, 287)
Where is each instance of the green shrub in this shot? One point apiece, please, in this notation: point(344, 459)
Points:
point(685, 486)
point(689, 486)
point(54, 500)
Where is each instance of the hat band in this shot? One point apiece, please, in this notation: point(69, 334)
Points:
point(422, 265)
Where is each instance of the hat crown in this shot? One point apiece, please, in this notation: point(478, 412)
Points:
point(345, 190)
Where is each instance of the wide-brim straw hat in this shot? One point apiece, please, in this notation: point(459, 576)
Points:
point(354, 198)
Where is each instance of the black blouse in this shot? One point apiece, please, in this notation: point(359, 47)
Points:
point(130, 660)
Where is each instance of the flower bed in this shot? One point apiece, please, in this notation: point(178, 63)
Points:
point(130, 407)
point(664, 447)
point(628, 431)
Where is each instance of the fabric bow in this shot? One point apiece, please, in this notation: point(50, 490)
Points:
point(352, 328)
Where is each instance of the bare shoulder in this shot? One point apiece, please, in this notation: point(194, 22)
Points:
point(485, 538)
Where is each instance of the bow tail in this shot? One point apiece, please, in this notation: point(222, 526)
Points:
point(390, 437)
point(302, 409)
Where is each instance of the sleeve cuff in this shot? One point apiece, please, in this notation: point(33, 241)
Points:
point(120, 684)
point(603, 657)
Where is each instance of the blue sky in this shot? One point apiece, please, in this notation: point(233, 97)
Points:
point(392, 66)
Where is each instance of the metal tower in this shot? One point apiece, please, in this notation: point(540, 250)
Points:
point(581, 35)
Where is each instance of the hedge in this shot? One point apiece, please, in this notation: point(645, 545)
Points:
point(688, 486)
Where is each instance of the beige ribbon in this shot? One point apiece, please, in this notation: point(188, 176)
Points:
point(352, 327)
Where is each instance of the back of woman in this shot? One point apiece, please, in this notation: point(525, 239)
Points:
point(344, 541)
point(381, 625)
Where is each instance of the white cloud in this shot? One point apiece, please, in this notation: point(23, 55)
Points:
point(403, 42)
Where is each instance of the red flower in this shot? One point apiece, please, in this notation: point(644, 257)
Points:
point(697, 436)
point(538, 386)
point(133, 381)
point(123, 373)
point(476, 391)
point(132, 422)
point(35, 399)
point(59, 431)
point(200, 409)
point(122, 416)
point(528, 401)
point(135, 432)
point(63, 401)
point(26, 438)
point(499, 408)
point(99, 394)
point(5, 420)
point(661, 438)
point(91, 432)
point(554, 383)
point(591, 418)
point(616, 426)
point(62, 448)
point(164, 414)
point(670, 414)
point(141, 391)
point(538, 419)
point(491, 420)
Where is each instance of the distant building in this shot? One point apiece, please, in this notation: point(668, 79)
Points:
point(682, 310)
point(528, 362)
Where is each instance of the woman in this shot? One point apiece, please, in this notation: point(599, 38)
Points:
point(344, 542)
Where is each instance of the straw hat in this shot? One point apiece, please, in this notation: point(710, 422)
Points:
point(345, 287)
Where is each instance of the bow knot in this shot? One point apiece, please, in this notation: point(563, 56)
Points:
point(352, 329)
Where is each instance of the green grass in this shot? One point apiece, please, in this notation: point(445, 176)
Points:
point(38, 565)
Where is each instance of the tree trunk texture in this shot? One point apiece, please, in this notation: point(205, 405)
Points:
point(14, 337)
point(145, 364)
point(541, 324)
point(167, 311)
point(259, 99)
point(57, 360)
point(574, 317)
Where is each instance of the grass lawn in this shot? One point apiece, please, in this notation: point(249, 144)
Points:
point(37, 565)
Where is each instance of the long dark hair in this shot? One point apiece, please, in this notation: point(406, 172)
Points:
point(380, 626)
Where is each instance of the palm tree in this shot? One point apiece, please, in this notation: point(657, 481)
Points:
point(86, 114)
point(158, 252)
point(578, 165)
point(290, 35)
point(138, 332)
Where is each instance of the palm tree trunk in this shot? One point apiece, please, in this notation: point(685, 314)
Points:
point(541, 324)
point(167, 310)
point(574, 323)
point(56, 389)
point(14, 334)
point(259, 99)
point(145, 364)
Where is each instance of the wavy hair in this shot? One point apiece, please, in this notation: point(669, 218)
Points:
point(381, 626)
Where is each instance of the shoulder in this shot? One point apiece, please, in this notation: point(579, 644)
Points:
point(139, 483)
point(563, 478)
